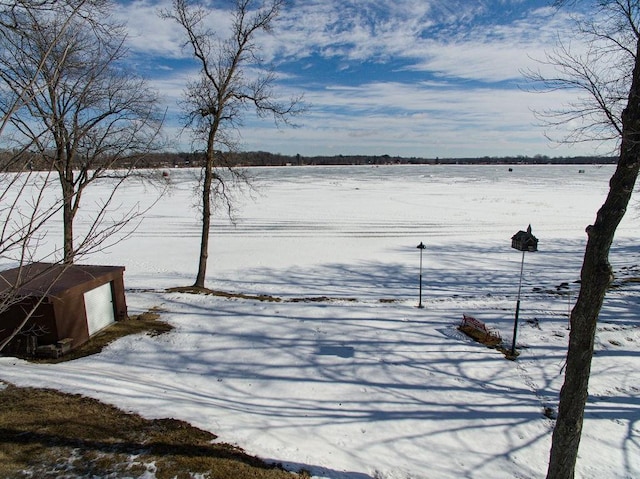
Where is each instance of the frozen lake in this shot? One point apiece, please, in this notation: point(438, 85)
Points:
point(354, 230)
point(373, 387)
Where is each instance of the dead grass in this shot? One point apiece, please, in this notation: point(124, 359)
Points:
point(224, 294)
point(258, 297)
point(321, 299)
point(148, 322)
point(48, 434)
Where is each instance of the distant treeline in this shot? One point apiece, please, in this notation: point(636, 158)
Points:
point(262, 158)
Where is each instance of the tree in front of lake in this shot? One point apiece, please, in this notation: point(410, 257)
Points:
point(605, 69)
point(73, 107)
point(24, 210)
point(231, 80)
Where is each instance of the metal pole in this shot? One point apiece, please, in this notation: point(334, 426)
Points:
point(515, 323)
point(421, 247)
point(420, 301)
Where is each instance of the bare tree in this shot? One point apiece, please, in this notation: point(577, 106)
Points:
point(27, 198)
point(606, 71)
point(23, 209)
point(71, 102)
point(223, 91)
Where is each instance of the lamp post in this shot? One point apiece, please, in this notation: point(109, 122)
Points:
point(522, 241)
point(421, 247)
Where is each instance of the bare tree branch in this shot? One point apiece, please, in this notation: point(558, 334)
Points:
point(69, 109)
point(85, 112)
point(596, 65)
point(607, 75)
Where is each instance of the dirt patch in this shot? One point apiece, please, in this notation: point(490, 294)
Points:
point(261, 297)
point(48, 434)
point(224, 294)
point(320, 299)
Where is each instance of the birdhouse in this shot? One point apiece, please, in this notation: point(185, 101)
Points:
point(524, 241)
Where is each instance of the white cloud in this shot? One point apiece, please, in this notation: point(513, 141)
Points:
point(449, 116)
point(148, 33)
point(152, 35)
point(438, 37)
point(354, 30)
point(419, 120)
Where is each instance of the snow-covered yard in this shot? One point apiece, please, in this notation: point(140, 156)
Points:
point(363, 384)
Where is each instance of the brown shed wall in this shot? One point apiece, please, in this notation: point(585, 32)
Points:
point(62, 313)
point(42, 323)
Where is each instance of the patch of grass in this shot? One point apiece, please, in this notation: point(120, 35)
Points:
point(507, 353)
point(256, 297)
point(622, 282)
point(259, 297)
point(148, 322)
point(321, 299)
point(48, 434)
point(550, 413)
point(224, 294)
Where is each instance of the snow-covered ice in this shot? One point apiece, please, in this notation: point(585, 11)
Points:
point(365, 385)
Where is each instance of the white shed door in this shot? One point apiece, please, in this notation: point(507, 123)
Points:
point(98, 304)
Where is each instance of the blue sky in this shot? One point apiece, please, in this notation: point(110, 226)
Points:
point(423, 78)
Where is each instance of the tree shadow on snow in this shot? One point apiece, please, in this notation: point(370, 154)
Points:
point(373, 365)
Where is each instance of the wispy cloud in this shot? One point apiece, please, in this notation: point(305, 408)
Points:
point(148, 33)
point(417, 77)
point(415, 120)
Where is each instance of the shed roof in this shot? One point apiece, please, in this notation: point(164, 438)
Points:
point(51, 279)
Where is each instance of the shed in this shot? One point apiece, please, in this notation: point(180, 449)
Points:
point(72, 303)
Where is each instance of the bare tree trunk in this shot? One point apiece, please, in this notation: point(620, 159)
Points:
point(67, 233)
point(67, 221)
point(206, 225)
point(206, 211)
point(596, 276)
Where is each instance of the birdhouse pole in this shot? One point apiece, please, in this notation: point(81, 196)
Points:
point(515, 322)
